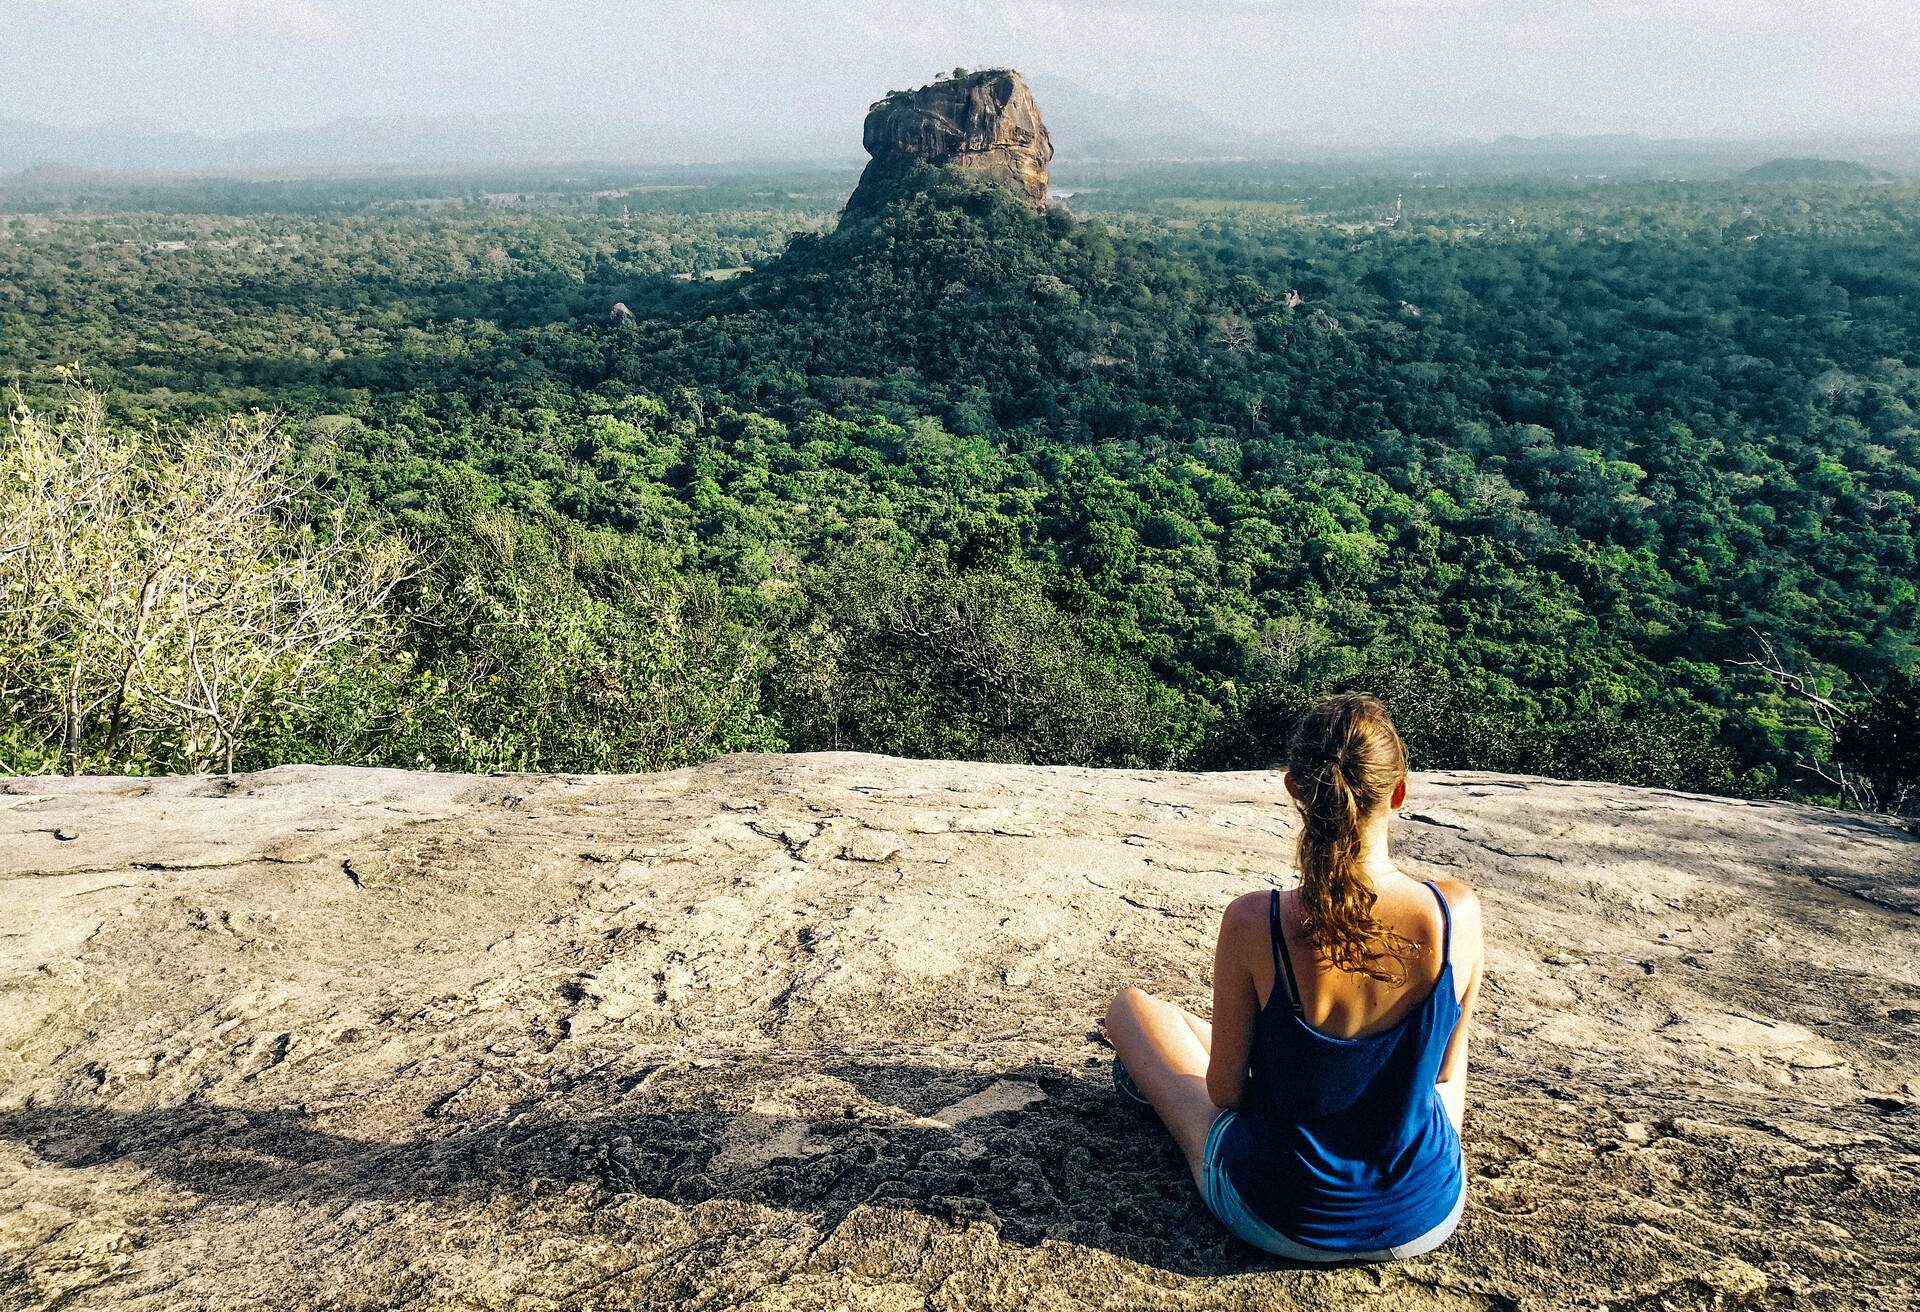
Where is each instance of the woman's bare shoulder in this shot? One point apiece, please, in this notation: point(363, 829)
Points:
point(1243, 930)
point(1246, 912)
point(1459, 894)
point(1464, 903)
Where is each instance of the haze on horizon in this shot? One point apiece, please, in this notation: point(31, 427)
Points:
point(792, 79)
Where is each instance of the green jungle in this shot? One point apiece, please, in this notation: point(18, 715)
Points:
point(1609, 479)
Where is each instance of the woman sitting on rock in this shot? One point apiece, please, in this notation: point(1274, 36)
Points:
point(1338, 1047)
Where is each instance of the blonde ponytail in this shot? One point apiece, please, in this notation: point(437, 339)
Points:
point(1345, 760)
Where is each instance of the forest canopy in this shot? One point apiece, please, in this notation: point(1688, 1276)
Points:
point(1546, 463)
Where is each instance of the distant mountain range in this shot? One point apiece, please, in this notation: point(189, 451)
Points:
point(1087, 126)
point(142, 146)
point(1092, 125)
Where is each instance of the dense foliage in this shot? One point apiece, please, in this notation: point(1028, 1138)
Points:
point(162, 602)
point(1539, 460)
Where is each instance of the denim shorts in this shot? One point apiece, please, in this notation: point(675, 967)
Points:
point(1224, 1201)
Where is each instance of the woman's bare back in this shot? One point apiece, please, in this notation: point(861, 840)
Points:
point(1349, 1004)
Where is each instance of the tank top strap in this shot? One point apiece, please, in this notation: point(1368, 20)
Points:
point(1446, 924)
point(1282, 959)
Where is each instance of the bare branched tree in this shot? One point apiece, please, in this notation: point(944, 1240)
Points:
point(158, 597)
point(1855, 789)
point(1231, 333)
point(65, 513)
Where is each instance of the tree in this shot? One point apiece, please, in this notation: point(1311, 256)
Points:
point(541, 645)
point(1882, 743)
point(1874, 758)
point(159, 595)
point(918, 658)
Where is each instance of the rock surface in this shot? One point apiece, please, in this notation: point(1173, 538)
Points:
point(985, 124)
point(820, 1032)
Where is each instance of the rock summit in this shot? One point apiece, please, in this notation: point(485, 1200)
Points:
point(981, 124)
point(821, 1032)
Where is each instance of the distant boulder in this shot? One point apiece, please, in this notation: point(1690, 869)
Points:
point(1810, 170)
point(983, 124)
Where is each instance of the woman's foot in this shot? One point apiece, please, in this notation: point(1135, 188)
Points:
point(1127, 1088)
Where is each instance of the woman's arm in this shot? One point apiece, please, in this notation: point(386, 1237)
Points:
point(1469, 954)
point(1235, 1001)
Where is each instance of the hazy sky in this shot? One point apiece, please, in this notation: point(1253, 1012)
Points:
point(1346, 66)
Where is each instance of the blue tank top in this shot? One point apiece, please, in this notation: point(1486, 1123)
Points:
point(1344, 1144)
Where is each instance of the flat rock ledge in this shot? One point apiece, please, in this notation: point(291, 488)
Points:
point(821, 1032)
